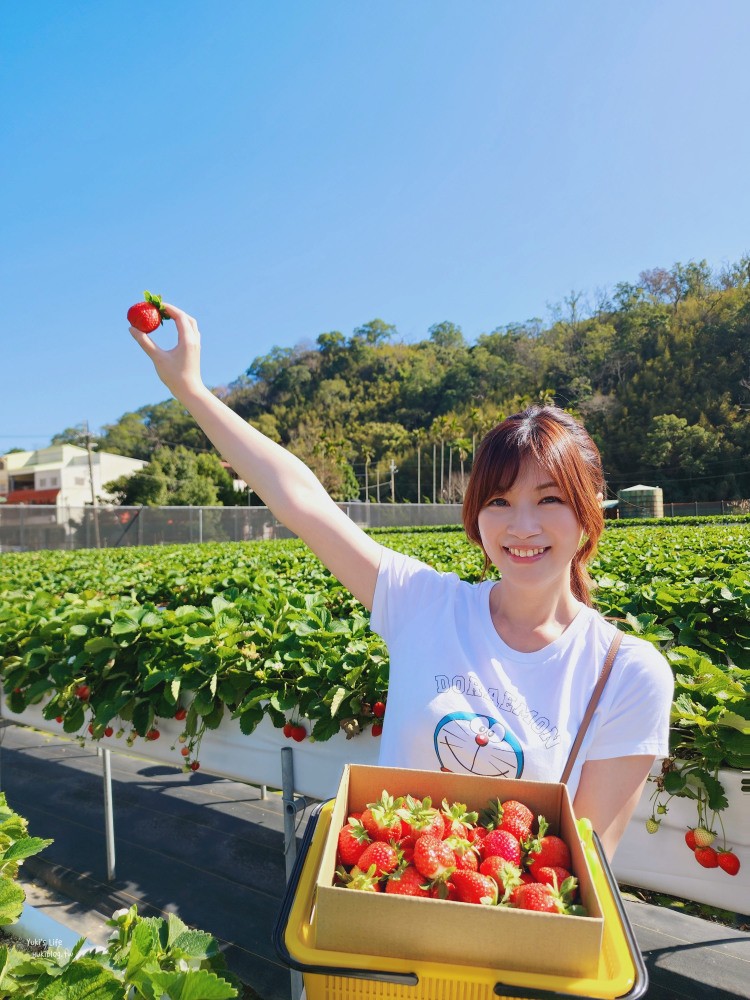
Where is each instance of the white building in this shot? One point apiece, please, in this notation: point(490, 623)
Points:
point(59, 476)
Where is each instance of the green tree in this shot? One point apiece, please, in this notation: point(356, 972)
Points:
point(174, 477)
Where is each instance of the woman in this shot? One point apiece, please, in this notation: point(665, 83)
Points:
point(489, 678)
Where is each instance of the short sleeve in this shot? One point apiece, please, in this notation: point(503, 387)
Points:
point(637, 715)
point(405, 588)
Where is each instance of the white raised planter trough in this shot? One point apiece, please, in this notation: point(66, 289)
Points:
point(228, 752)
point(663, 862)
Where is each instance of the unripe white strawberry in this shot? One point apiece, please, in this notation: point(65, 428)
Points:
point(652, 825)
point(704, 837)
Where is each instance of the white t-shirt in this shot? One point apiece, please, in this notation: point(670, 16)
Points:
point(460, 699)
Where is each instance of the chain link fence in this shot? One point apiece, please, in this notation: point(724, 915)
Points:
point(33, 527)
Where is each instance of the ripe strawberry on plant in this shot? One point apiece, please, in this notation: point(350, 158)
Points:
point(690, 839)
point(420, 817)
point(707, 857)
point(353, 839)
point(146, 316)
point(433, 857)
point(407, 882)
point(728, 862)
point(298, 733)
point(381, 818)
point(473, 887)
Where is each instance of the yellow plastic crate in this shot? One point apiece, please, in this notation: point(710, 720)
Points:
point(332, 975)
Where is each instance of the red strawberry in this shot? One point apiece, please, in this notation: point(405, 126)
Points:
point(146, 316)
point(536, 896)
point(507, 876)
point(546, 851)
point(195, 765)
point(690, 839)
point(707, 857)
point(728, 862)
point(298, 733)
point(83, 692)
point(457, 819)
point(383, 857)
point(419, 817)
point(377, 729)
point(516, 818)
point(407, 882)
point(526, 879)
point(549, 875)
point(378, 709)
point(180, 714)
point(503, 844)
point(433, 858)
point(58, 718)
point(153, 734)
point(466, 856)
point(381, 818)
point(185, 751)
point(365, 881)
point(472, 887)
point(108, 730)
point(353, 839)
point(287, 729)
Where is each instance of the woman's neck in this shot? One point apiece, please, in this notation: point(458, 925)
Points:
point(529, 621)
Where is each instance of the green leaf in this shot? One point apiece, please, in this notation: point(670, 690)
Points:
point(84, 979)
point(338, 697)
point(12, 899)
point(24, 848)
point(195, 985)
point(100, 644)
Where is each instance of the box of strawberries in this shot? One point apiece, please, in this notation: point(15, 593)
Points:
point(462, 869)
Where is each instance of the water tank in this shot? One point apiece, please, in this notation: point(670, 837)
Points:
point(641, 501)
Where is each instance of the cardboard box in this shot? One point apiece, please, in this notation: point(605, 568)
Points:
point(445, 931)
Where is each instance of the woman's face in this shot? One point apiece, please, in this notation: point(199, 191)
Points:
point(530, 532)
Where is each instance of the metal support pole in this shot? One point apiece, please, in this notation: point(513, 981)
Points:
point(109, 820)
point(292, 806)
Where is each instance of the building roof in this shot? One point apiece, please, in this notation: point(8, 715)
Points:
point(32, 496)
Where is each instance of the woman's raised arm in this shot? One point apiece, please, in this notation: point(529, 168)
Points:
point(285, 484)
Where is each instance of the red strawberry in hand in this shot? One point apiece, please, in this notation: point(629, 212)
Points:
point(146, 316)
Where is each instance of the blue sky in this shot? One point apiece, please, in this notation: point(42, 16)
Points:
point(285, 169)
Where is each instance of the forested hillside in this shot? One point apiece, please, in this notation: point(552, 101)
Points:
point(659, 371)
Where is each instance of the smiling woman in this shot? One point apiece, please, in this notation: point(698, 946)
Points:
point(524, 655)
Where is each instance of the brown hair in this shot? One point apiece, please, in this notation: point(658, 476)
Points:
point(564, 448)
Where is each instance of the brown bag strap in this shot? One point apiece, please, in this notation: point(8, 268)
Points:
point(593, 702)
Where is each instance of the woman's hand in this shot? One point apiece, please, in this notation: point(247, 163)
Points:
point(178, 368)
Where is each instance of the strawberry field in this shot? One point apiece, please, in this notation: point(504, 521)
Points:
point(248, 630)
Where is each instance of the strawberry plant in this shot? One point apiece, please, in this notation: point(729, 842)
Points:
point(146, 957)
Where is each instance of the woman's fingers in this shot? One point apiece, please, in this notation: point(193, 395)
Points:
point(145, 342)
